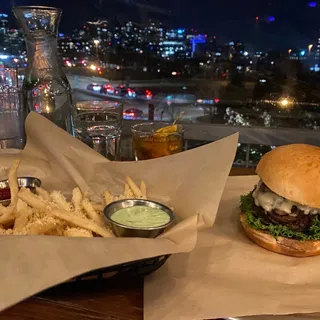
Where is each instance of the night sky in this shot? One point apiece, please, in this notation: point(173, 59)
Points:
point(296, 22)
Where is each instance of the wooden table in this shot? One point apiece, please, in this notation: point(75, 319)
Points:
point(97, 299)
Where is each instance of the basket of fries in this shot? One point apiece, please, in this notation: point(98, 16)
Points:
point(29, 209)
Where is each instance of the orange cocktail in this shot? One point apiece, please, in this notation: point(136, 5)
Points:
point(154, 140)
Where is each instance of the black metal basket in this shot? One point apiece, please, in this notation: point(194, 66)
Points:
point(139, 268)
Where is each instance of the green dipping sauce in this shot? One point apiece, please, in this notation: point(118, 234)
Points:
point(141, 216)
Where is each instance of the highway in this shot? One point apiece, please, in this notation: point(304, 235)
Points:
point(163, 110)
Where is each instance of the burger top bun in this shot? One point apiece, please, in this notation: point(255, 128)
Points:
point(293, 172)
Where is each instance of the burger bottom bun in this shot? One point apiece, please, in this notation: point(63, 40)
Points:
point(285, 246)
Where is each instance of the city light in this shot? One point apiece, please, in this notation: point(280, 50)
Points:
point(174, 73)
point(285, 103)
point(312, 4)
point(93, 67)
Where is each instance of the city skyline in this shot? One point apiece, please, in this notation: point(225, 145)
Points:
point(264, 26)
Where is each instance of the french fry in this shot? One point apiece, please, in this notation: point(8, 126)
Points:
point(77, 232)
point(22, 215)
point(44, 194)
point(13, 182)
point(3, 210)
point(57, 231)
point(128, 194)
point(7, 219)
point(60, 200)
point(6, 232)
point(135, 189)
point(85, 194)
point(143, 189)
point(81, 222)
point(108, 197)
point(21, 205)
point(31, 199)
point(77, 198)
point(92, 214)
point(42, 226)
point(98, 206)
point(21, 219)
point(47, 213)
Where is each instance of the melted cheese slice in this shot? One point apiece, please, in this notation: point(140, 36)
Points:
point(269, 201)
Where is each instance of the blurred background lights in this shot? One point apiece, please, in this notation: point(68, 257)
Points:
point(312, 4)
point(285, 103)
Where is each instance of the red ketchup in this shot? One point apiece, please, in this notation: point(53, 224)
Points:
point(5, 194)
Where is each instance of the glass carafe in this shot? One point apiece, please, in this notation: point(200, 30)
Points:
point(46, 89)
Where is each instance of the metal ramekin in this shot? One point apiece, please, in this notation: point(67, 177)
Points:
point(27, 182)
point(121, 230)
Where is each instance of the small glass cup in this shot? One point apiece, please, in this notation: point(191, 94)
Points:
point(150, 144)
point(8, 78)
point(99, 125)
point(12, 134)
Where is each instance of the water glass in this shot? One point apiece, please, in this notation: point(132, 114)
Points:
point(11, 118)
point(99, 124)
point(155, 139)
point(8, 78)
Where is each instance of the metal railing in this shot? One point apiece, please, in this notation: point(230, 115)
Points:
point(248, 136)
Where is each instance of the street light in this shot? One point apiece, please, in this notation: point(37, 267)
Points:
point(285, 103)
point(310, 48)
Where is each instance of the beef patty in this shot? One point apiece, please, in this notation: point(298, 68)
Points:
point(299, 222)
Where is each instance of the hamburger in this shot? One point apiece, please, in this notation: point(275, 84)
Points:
point(282, 212)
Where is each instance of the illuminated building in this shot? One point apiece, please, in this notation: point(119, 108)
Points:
point(76, 48)
point(194, 41)
point(132, 36)
point(174, 43)
point(153, 37)
point(13, 42)
point(100, 29)
point(3, 23)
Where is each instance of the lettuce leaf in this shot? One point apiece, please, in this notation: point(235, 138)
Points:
point(246, 206)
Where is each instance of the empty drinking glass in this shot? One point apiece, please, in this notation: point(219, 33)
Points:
point(98, 124)
point(8, 77)
point(11, 118)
